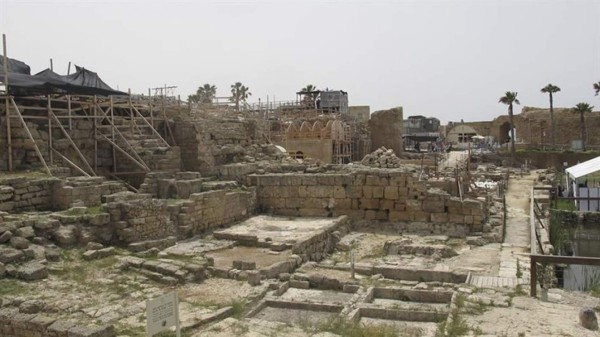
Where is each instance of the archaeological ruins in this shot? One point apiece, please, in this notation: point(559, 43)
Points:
point(274, 219)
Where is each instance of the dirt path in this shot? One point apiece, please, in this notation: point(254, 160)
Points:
point(516, 242)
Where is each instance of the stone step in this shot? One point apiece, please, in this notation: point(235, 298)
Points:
point(483, 281)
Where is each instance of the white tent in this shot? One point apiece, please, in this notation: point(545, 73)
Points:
point(583, 169)
point(574, 173)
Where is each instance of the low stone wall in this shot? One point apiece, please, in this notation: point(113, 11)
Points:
point(386, 195)
point(206, 211)
point(25, 194)
point(86, 190)
point(16, 324)
point(138, 217)
point(172, 185)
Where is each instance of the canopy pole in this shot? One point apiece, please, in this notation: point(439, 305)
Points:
point(7, 104)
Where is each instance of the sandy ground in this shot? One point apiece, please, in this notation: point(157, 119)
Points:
point(531, 317)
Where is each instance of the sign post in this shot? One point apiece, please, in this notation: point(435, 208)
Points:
point(162, 313)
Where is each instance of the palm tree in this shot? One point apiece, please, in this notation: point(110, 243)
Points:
point(509, 98)
point(597, 88)
point(239, 93)
point(550, 89)
point(309, 95)
point(204, 94)
point(582, 109)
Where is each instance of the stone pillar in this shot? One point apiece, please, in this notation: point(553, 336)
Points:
point(386, 129)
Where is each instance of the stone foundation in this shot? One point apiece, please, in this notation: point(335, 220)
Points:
point(384, 195)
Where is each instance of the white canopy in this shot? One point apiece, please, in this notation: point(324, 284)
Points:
point(583, 169)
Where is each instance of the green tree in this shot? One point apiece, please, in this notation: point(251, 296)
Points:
point(582, 109)
point(204, 94)
point(239, 93)
point(310, 96)
point(509, 99)
point(597, 88)
point(551, 89)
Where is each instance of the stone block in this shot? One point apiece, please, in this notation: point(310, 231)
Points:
point(32, 271)
point(433, 206)
point(244, 265)
point(299, 284)
point(378, 192)
point(439, 217)
point(10, 255)
point(391, 193)
point(254, 277)
point(25, 232)
point(399, 216)
point(6, 236)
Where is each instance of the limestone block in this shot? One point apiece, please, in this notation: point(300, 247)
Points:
point(433, 206)
point(386, 204)
point(19, 242)
point(588, 319)
point(339, 192)
point(25, 232)
point(391, 192)
point(413, 205)
point(399, 216)
point(32, 271)
point(439, 217)
point(377, 192)
point(6, 236)
point(420, 216)
point(309, 180)
point(342, 204)
point(327, 180)
point(299, 284)
point(400, 206)
point(456, 218)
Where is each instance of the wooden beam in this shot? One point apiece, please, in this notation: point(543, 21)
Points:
point(37, 149)
point(117, 147)
point(152, 128)
point(81, 156)
point(73, 165)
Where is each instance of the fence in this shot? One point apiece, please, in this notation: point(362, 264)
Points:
point(537, 224)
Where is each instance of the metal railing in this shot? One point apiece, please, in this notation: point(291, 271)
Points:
point(536, 224)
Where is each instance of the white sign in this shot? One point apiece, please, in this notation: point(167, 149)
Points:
point(162, 313)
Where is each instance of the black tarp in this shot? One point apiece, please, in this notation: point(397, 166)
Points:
point(15, 66)
point(82, 82)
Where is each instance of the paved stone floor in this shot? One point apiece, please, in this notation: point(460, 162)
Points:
point(514, 252)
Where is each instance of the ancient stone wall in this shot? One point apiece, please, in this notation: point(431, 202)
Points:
point(138, 217)
point(386, 129)
point(533, 127)
point(206, 211)
point(208, 142)
point(178, 185)
point(385, 195)
point(16, 324)
point(85, 190)
point(23, 194)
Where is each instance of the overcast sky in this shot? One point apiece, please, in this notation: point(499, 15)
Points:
point(447, 59)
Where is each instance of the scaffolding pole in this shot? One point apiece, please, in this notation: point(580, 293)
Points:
point(7, 105)
point(37, 149)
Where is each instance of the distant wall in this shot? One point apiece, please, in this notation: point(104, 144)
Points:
point(361, 113)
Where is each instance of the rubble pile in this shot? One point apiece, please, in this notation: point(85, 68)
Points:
point(381, 157)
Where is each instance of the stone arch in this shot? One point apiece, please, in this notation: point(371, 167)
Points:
point(504, 133)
